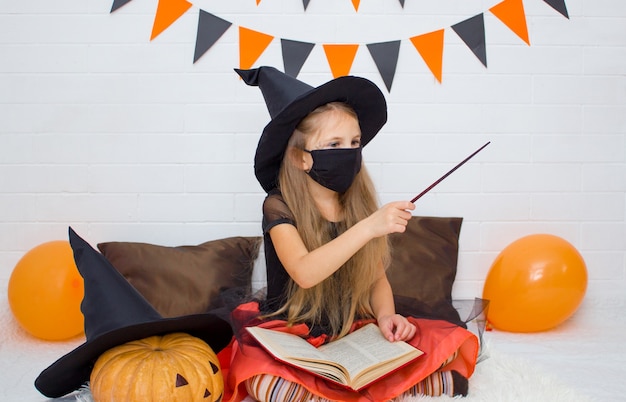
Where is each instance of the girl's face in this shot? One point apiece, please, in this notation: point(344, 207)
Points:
point(336, 129)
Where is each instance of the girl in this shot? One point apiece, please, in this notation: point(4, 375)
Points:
point(326, 248)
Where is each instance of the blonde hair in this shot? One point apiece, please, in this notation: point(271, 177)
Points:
point(345, 294)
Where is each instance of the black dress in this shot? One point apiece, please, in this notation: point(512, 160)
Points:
point(276, 212)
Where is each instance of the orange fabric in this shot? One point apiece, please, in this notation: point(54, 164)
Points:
point(438, 339)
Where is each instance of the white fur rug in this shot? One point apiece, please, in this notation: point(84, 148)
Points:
point(503, 378)
point(498, 378)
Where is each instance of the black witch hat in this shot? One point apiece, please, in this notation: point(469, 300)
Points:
point(289, 101)
point(116, 313)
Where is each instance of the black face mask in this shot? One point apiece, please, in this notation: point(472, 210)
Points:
point(335, 169)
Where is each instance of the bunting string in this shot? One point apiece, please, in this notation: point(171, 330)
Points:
point(340, 57)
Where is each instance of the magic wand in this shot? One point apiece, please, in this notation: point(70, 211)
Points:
point(417, 197)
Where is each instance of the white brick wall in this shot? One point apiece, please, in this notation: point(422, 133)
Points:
point(124, 138)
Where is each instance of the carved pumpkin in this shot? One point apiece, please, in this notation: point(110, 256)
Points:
point(173, 367)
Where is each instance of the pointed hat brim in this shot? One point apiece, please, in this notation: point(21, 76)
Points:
point(71, 371)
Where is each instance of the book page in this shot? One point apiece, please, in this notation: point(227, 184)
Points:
point(292, 349)
point(364, 348)
point(286, 345)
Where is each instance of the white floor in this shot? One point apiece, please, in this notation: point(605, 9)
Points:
point(586, 353)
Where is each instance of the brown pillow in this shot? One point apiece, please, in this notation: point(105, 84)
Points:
point(423, 267)
point(186, 279)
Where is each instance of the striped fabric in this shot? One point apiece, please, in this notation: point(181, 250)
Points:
point(269, 388)
point(436, 384)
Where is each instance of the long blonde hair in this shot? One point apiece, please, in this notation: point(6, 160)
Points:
point(345, 294)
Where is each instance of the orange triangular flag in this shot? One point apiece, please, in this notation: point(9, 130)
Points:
point(167, 12)
point(511, 13)
point(430, 47)
point(340, 58)
point(356, 4)
point(251, 45)
point(257, 2)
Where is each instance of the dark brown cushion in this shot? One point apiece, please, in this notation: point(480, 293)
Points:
point(423, 267)
point(186, 279)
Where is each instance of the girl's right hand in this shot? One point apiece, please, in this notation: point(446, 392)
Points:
point(390, 218)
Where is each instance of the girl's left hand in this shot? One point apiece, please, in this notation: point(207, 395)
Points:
point(395, 327)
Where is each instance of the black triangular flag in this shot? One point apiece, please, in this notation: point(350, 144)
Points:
point(210, 29)
point(305, 3)
point(118, 3)
point(472, 32)
point(402, 3)
point(385, 55)
point(294, 55)
point(558, 5)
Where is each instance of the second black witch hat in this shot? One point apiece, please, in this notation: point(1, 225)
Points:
point(116, 313)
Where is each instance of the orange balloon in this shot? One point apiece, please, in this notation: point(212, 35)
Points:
point(535, 284)
point(45, 292)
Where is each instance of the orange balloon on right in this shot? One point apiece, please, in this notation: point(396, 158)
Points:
point(535, 284)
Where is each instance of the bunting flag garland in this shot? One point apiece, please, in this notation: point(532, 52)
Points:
point(340, 57)
point(294, 55)
point(472, 32)
point(430, 47)
point(558, 5)
point(168, 11)
point(251, 45)
point(511, 13)
point(210, 29)
point(385, 55)
point(355, 3)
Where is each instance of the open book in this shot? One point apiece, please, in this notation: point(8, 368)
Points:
point(354, 361)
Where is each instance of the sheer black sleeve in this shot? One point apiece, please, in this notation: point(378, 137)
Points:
point(276, 211)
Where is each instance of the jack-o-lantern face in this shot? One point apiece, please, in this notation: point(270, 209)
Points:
point(207, 395)
point(169, 368)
